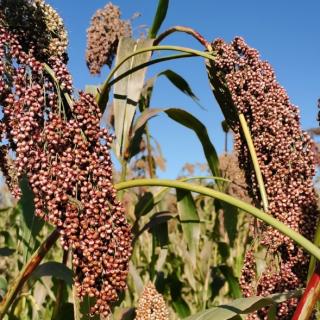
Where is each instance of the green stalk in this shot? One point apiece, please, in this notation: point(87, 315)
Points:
point(105, 86)
point(295, 236)
point(254, 159)
point(60, 288)
point(312, 264)
point(149, 63)
point(26, 272)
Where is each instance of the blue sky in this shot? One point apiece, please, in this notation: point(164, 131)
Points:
point(287, 34)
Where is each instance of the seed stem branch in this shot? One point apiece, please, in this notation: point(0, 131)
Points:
point(26, 272)
point(183, 29)
point(254, 159)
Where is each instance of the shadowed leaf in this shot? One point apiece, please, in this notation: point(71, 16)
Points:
point(54, 269)
point(190, 222)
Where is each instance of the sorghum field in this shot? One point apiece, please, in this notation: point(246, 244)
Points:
point(87, 228)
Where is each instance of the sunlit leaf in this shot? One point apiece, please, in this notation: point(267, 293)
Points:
point(3, 286)
point(127, 91)
point(180, 83)
point(159, 17)
point(242, 306)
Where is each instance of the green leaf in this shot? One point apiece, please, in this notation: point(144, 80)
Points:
point(6, 252)
point(26, 203)
point(233, 282)
point(243, 306)
point(188, 120)
point(181, 308)
point(127, 91)
point(66, 312)
point(180, 83)
point(31, 225)
point(159, 18)
point(191, 122)
point(54, 269)
point(3, 286)
point(8, 239)
point(190, 222)
point(224, 250)
point(81, 309)
point(230, 214)
point(144, 205)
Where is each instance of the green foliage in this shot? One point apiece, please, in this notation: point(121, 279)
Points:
point(159, 17)
point(185, 241)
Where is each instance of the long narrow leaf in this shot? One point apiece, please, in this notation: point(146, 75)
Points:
point(188, 120)
point(180, 83)
point(127, 91)
point(159, 17)
point(243, 306)
point(190, 222)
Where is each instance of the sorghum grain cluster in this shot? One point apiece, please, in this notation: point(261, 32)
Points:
point(37, 26)
point(103, 36)
point(286, 160)
point(64, 153)
point(151, 305)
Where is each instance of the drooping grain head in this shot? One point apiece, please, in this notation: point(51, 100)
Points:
point(103, 35)
point(65, 155)
point(285, 156)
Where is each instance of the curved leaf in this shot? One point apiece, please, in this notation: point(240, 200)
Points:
point(243, 306)
point(144, 205)
point(159, 18)
point(180, 83)
point(54, 269)
point(188, 120)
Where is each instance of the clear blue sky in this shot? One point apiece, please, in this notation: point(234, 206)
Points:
point(287, 34)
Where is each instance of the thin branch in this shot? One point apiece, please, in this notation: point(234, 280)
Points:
point(26, 272)
point(255, 162)
point(100, 98)
point(183, 29)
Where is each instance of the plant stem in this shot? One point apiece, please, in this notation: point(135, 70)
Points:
point(60, 288)
point(309, 299)
point(183, 29)
point(105, 86)
point(150, 63)
point(26, 272)
point(316, 241)
point(295, 236)
point(254, 160)
point(149, 151)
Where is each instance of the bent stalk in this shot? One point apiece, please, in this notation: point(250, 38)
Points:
point(295, 236)
point(27, 271)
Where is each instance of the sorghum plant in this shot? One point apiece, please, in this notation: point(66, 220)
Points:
point(286, 158)
point(103, 36)
point(185, 249)
point(61, 148)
